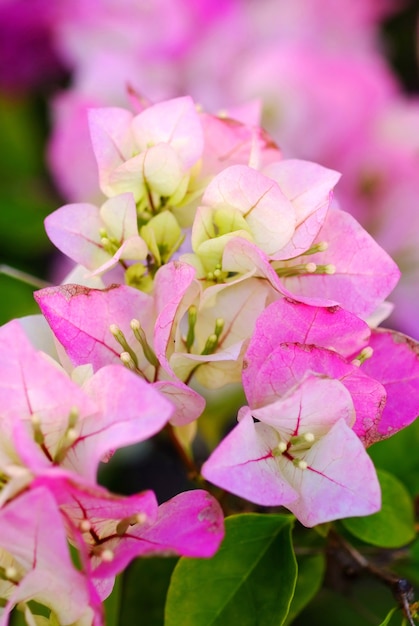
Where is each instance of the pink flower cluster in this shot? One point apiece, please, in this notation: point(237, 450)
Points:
point(56, 428)
point(212, 260)
point(215, 260)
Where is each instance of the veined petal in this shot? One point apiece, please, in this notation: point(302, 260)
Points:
point(175, 122)
point(243, 464)
point(75, 230)
point(395, 363)
point(268, 213)
point(364, 273)
point(340, 480)
point(304, 409)
point(80, 319)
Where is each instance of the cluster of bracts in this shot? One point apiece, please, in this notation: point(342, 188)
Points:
point(212, 260)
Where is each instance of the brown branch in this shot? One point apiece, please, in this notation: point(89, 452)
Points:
point(353, 562)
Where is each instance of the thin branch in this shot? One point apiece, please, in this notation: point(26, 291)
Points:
point(401, 588)
point(23, 277)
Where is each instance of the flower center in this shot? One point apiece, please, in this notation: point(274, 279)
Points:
point(295, 448)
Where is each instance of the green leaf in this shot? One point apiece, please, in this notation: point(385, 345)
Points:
point(311, 570)
point(393, 526)
point(389, 616)
point(144, 589)
point(250, 581)
point(396, 455)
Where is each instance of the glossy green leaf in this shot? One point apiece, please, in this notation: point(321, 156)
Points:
point(393, 526)
point(144, 589)
point(311, 570)
point(250, 581)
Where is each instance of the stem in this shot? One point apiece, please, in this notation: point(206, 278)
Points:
point(23, 277)
point(401, 588)
point(188, 462)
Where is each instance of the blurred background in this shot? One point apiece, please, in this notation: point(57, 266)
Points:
point(336, 81)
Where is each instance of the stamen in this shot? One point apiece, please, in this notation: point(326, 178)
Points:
point(296, 270)
point(109, 246)
point(85, 526)
point(300, 464)
point(212, 341)
point(140, 336)
point(210, 345)
point(37, 432)
point(120, 337)
point(322, 246)
point(71, 436)
point(127, 360)
point(217, 275)
point(305, 438)
point(219, 325)
point(124, 524)
point(280, 449)
point(11, 573)
point(192, 317)
point(365, 354)
point(73, 417)
point(107, 555)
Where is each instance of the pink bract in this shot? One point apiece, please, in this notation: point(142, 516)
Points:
point(324, 477)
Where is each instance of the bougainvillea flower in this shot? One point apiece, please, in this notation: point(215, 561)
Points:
point(82, 320)
point(301, 453)
point(205, 333)
point(375, 368)
point(364, 274)
point(266, 214)
point(112, 530)
point(309, 187)
point(98, 238)
point(149, 154)
point(352, 271)
point(48, 420)
point(395, 363)
point(40, 567)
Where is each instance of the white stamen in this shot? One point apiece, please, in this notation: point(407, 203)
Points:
point(115, 330)
point(309, 437)
point(71, 435)
point(107, 555)
point(280, 448)
point(35, 419)
point(10, 572)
